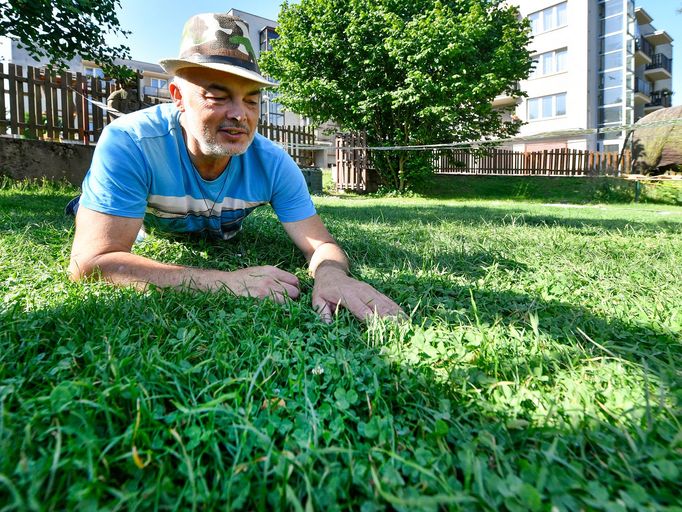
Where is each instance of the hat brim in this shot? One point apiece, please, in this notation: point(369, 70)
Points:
point(171, 66)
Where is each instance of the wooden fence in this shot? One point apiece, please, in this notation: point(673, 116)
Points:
point(293, 139)
point(354, 172)
point(554, 162)
point(40, 104)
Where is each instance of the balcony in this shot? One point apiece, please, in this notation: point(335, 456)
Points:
point(661, 68)
point(642, 91)
point(658, 38)
point(506, 99)
point(659, 99)
point(156, 92)
point(644, 52)
point(642, 16)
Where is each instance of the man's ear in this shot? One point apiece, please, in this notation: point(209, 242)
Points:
point(176, 95)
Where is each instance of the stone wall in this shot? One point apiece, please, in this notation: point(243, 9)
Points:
point(55, 161)
point(37, 159)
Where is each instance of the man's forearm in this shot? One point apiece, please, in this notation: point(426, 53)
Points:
point(123, 268)
point(126, 269)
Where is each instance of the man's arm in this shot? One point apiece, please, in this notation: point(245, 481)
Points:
point(329, 266)
point(102, 244)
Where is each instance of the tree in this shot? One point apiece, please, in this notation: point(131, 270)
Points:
point(62, 29)
point(407, 72)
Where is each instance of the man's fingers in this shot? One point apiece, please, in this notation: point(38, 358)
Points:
point(280, 291)
point(363, 301)
point(323, 309)
point(265, 282)
point(279, 275)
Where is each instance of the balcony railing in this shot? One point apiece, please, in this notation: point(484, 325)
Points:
point(643, 86)
point(660, 99)
point(661, 61)
point(156, 92)
point(644, 46)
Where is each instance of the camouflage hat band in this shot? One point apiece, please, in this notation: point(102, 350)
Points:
point(222, 59)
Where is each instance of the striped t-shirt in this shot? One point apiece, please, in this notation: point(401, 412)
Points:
point(141, 168)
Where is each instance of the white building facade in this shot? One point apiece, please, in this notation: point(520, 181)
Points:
point(598, 64)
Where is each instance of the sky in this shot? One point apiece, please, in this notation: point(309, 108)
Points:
point(156, 25)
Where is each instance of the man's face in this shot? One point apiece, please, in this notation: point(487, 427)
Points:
point(220, 111)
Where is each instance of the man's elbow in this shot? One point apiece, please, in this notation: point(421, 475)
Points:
point(81, 268)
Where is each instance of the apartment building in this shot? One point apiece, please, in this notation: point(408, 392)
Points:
point(598, 64)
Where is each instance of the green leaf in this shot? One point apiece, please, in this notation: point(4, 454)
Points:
point(530, 497)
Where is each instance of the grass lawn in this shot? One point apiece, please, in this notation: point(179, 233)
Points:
point(541, 369)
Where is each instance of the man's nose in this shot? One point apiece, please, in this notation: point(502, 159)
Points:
point(235, 111)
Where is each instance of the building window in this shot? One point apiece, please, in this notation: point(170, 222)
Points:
point(549, 63)
point(96, 72)
point(612, 96)
point(270, 109)
point(612, 43)
point(549, 19)
point(610, 8)
point(159, 83)
point(547, 107)
point(267, 36)
point(611, 115)
point(613, 60)
point(612, 24)
point(612, 78)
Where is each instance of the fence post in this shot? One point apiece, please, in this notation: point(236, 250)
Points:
point(33, 116)
point(3, 112)
point(13, 99)
point(49, 114)
point(82, 88)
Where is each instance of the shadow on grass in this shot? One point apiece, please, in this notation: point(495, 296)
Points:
point(240, 403)
point(20, 211)
point(438, 299)
point(550, 189)
point(185, 399)
point(395, 215)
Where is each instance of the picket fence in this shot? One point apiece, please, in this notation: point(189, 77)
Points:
point(36, 103)
point(354, 171)
point(553, 162)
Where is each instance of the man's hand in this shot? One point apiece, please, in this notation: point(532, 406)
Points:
point(329, 266)
point(334, 289)
point(262, 282)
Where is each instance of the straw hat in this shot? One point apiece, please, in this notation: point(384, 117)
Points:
point(217, 41)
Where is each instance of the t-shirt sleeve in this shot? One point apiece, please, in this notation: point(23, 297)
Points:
point(117, 182)
point(291, 199)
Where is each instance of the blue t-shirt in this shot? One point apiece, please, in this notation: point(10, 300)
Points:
point(141, 168)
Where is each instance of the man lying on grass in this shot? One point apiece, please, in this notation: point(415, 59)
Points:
point(196, 165)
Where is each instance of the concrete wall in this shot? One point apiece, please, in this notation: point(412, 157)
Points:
point(56, 161)
point(37, 159)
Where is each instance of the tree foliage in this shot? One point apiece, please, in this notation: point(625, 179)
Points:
point(61, 29)
point(408, 72)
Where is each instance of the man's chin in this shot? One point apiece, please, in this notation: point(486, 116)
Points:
point(218, 150)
